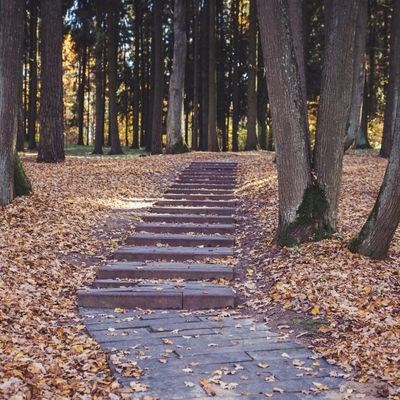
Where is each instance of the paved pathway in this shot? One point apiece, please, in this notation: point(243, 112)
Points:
point(167, 265)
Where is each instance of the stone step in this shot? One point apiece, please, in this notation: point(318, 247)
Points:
point(215, 186)
point(193, 196)
point(218, 192)
point(191, 295)
point(207, 181)
point(182, 218)
point(210, 174)
point(185, 228)
point(196, 203)
point(143, 253)
point(149, 239)
point(194, 210)
point(188, 271)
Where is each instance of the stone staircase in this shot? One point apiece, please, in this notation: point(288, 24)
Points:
point(173, 255)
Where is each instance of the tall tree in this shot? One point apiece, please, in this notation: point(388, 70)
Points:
point(11, 39)
point(334, 107)
point(175, 120)
point(196, 42)
point(235, 75)
point(288, 122)
point(33, 47)
point(354, 120)
point(392, 97)
point(51, 145)
point(252, 138)
point(158, 86)
point(113, 31)
point(212, 80)
point(204, 76)
point(378, 231)
point(99, 72)
point(136, 82)
point(81, 92)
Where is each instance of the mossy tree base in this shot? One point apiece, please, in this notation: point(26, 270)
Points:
point(310, 223)
point(22, 184)
point(178, 148)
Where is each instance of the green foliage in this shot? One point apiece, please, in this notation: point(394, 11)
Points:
point(22, 184)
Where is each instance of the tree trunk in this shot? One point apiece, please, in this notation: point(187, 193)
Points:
point(175, 117)
point(297, 27)
point(196, 40)
point(393, 86)
point(212, 80)
point(11, 38)
point(377, 233)
point(235, 75)
point(51, 145)
point(136, 79)
point(262, 100)
point(98, 77)
point(297, 195)
point(354, 120)
point(81, 94)
point(334, 107)
point(113, 21)
point(204, 77)
point(32, 102)
point(21, 133)
point(252, 138)
point(158, 91)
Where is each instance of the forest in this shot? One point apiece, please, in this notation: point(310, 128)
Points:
point(287, 110)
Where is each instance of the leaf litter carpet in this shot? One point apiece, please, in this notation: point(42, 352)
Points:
point(52, 243)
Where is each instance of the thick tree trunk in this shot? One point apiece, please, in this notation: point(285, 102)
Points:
point(156, 126)
point(51, 145)
point(11, 37)
point(32, 102)
point(196, 40)
point(212, 80)
point(136, 81)
point(299, 200)
point(81, 95)
point(175, 118)
point(334, 107)
point(354, 120)
point(377, 233)
point(252, 137)
point(393, 86)
point(113, 21)
point(297, 27)
point(98, 77)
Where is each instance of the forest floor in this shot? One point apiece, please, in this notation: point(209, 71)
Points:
point(346, 305)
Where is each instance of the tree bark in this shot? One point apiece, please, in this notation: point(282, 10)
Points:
point(393, 86)
point(81, 94)
point(11, 37)
point(212, 80)
point(354, 120)
point(377, 233)
point(156, 127)
point(334, 107)
point(136, 82)
point(33, 47)
point(235, 76)
point(113, 21)
point(262, 100)
point(296, 192)
point(175, 117)
point(196, 40)
point(204, 77)
point(252, 137)
point(51, 145)
point(99, 78)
